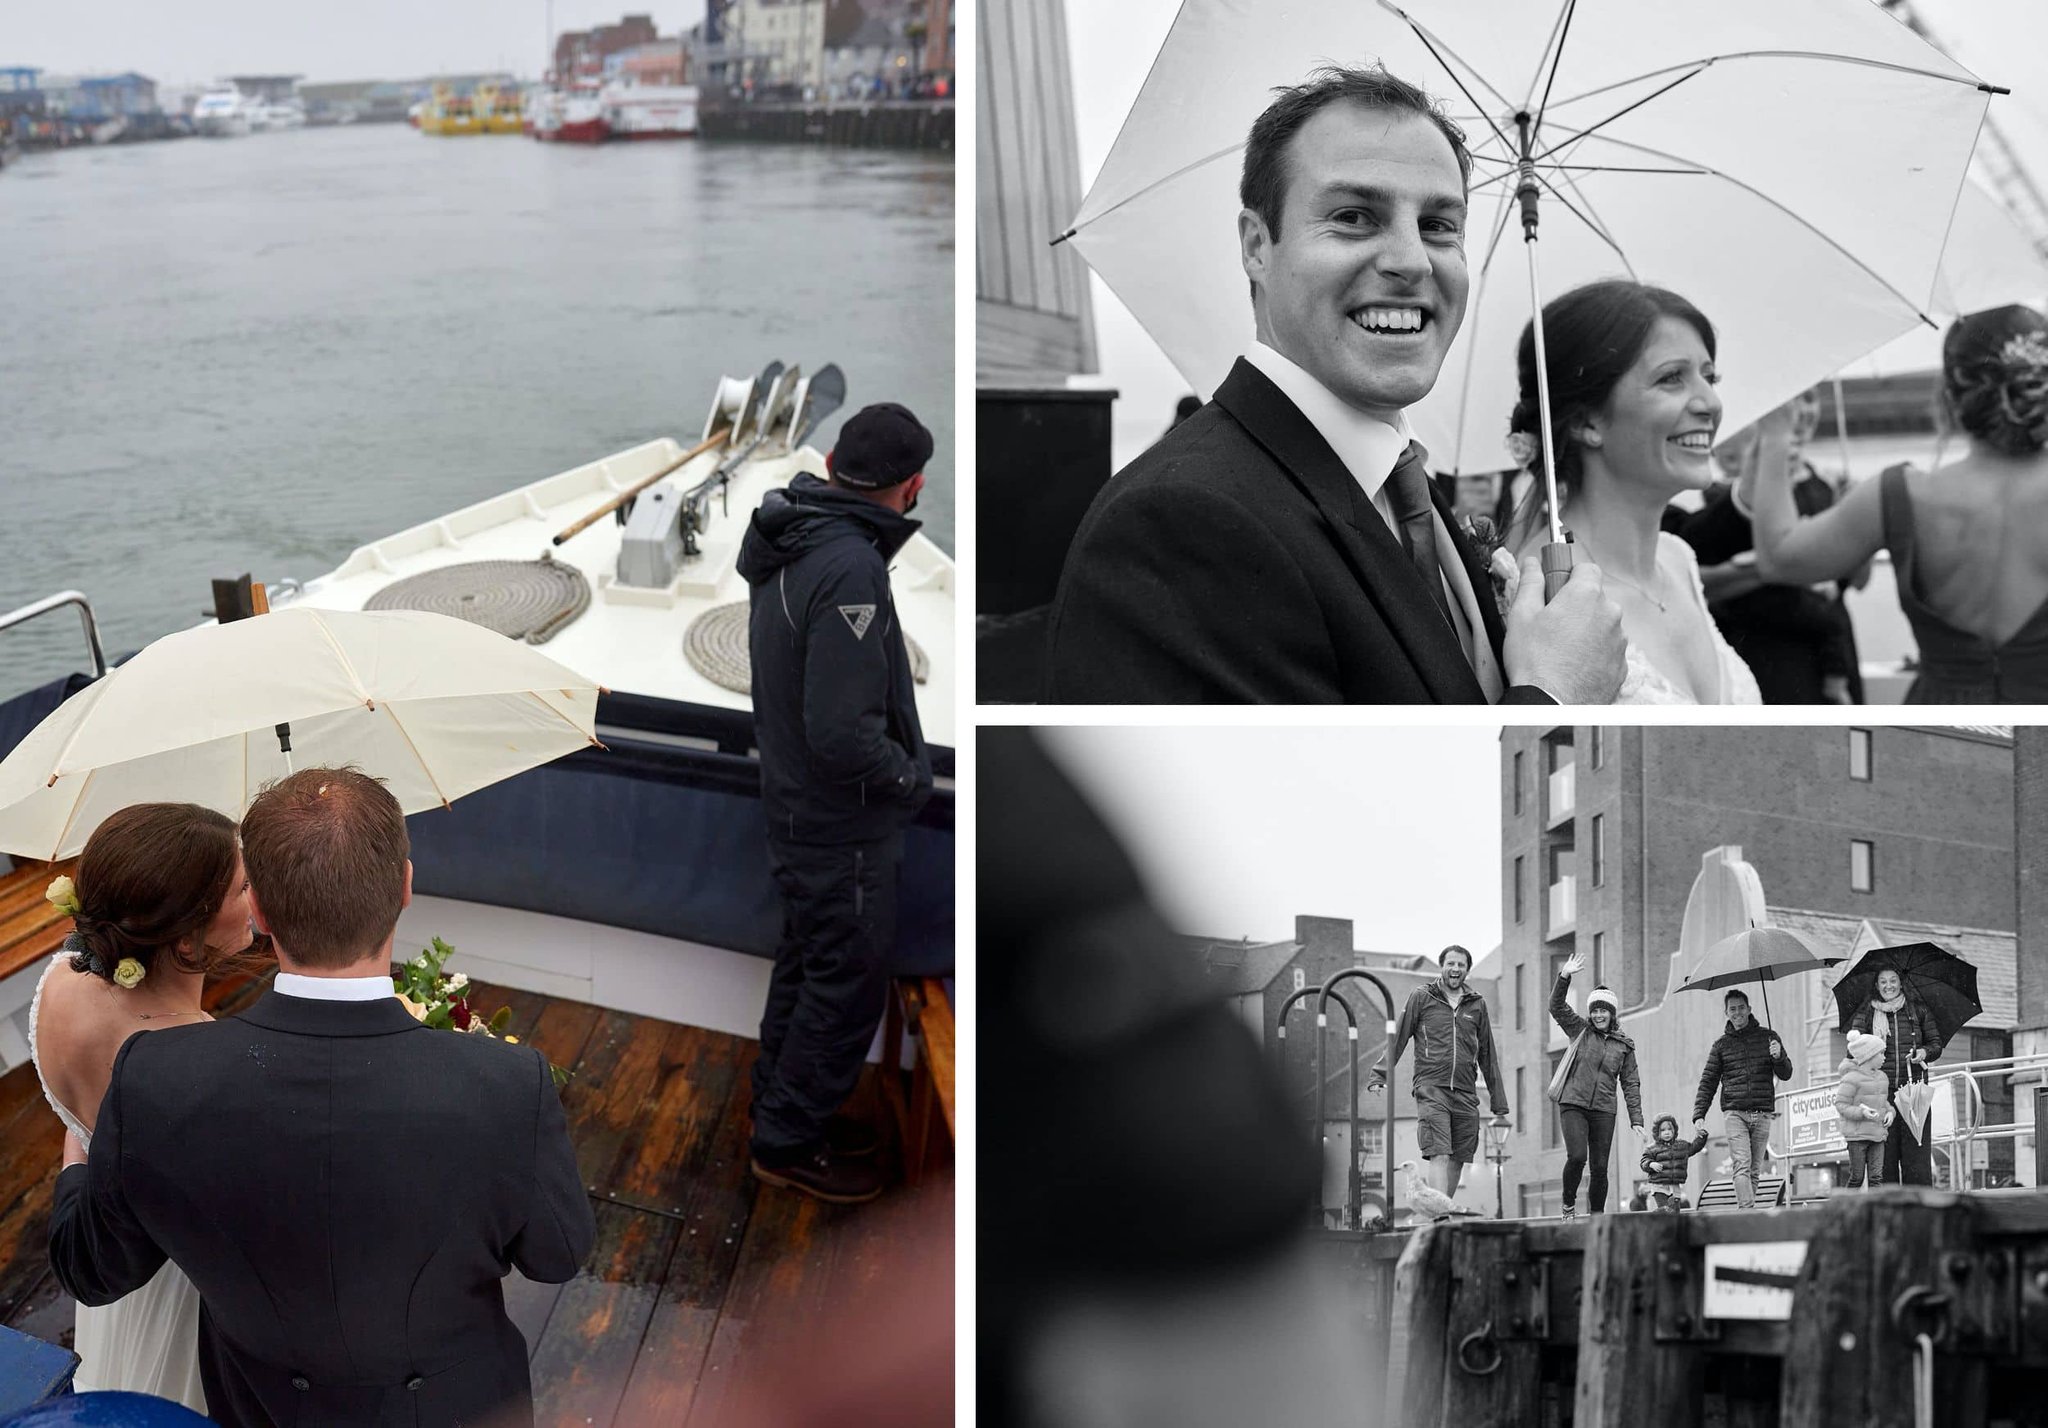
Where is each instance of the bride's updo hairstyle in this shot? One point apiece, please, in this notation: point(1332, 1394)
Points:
point(1592, 335)
point(152, 876)
point(1995, 378)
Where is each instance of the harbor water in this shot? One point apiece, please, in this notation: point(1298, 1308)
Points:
point(254, 355)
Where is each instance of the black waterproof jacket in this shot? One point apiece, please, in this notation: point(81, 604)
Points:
point(843, 757)
point(1913, 1030)
point(1741, 1066)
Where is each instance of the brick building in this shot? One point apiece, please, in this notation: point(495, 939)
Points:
point(1605, 833)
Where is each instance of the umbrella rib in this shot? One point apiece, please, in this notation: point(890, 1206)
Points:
point(1578, 136)
point(1796, 218)
point(391, 710)
point(1594, 222)
point(1158, 183)
point(1430, 42)
point(1484, 184)
point(72, 817)
point(1820, 56)
point(560, 715)
point(335, 645)
point(1563, 32)
point(1465, 384)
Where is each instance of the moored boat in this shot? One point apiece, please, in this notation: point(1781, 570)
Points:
point(576, 117)
point(651, 111)
point(223, 112)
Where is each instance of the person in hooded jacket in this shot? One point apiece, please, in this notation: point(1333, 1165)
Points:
point(1911, 1039)
point(1667, 1165)
point(1585, 1102)
point(1863, 1104)
point(1453, 1039)
point(844, 769)
point(1741, 1065)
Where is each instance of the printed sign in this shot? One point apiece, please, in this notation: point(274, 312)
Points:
point(1811, 1123)
point(1752, 1281)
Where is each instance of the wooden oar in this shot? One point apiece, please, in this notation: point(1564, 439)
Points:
point(715, 439)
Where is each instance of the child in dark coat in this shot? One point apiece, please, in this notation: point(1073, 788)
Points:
point(1666, 1166)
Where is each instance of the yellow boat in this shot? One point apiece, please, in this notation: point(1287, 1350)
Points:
point(450, 113)
point(499, 110)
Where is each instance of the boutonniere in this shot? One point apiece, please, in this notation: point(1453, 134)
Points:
point(1502, 573)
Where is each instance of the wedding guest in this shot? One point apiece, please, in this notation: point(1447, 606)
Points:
point(844, 769)
point(1863, 1105)
point(344, 1185)
point(159, 904)
point(1601, 1056)
point(1633, 414)
point(1969, 541)
point(1453, 1039)
point(1740, 1066)
point(1911, 1040)
point(1797, 640)
point(1284, 544)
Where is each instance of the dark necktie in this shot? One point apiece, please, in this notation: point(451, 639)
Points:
point(1408, 490)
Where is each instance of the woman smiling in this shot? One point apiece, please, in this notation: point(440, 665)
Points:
point(1633, 416)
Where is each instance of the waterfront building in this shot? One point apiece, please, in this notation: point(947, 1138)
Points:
point(868, 47)
point(1613, 838)
point(580, 54)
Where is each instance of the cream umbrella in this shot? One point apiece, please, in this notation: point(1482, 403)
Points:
point(435, 706)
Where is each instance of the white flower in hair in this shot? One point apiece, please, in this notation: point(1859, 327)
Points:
point(1523, 447)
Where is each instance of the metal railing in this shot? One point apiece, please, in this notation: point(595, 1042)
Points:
point(1958, 1147)
point(57, 602)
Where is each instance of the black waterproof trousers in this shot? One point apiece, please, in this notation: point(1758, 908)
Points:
point(829, 987)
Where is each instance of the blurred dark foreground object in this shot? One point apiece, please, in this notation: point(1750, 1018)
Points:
point(107, 1410)
point(1137, 1164)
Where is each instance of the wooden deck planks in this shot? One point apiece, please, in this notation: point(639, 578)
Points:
point(694, 1299)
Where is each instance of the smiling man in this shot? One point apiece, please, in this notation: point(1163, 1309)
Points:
point(1284, 544)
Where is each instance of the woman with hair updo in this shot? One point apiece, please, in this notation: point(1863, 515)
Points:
point(1633, 415)
point(159, 902)
point(1969, 541)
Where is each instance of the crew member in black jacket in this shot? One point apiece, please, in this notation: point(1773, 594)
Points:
point(843, 770)
point(345, 1187)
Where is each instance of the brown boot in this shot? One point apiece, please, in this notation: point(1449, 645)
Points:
point(842, 1180)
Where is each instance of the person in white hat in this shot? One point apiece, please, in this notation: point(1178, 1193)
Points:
point(1864, 1106)
point(1600, 1057)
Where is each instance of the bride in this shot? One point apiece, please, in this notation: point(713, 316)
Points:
point(1633, 413)
point(160, 901)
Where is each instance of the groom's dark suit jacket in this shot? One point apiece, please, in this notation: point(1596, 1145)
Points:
point(347, 1188)
point(1238, 561)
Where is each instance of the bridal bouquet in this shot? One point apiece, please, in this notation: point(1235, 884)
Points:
point(439, 999)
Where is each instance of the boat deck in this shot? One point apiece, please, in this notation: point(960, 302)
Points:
point(706, 1296)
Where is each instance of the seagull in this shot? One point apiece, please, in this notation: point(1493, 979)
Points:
point(1426, 1198)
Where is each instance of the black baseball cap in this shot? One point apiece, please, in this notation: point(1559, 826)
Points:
point(880, 446)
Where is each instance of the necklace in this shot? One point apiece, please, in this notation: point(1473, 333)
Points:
point(1662, 608)
point(158, 1016)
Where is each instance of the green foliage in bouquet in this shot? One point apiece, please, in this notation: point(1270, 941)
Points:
point(440, 999)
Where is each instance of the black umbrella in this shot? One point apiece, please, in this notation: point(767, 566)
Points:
point(1934, 976)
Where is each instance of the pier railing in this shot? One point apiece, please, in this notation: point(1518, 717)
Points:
point(1963, 1083)
point(1892, 1306)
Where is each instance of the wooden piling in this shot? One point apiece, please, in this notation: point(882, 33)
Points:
point(1626, 1376)
point(1882, 1267)
point(1415, 1350)
point(1492, 1351)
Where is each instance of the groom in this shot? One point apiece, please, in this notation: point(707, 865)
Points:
point(345, 1186)
point(1284, 544)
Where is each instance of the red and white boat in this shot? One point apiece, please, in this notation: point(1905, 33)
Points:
point(574, 118)
point(651, 111)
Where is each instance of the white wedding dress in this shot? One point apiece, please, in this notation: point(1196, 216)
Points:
point(1644, 683)
point(145, 1342)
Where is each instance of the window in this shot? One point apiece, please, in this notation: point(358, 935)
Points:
point(1518, 996)
point(1599, 849)
point(1557, 960)
point(1519, 1100)
point(1859, 755)
point(1518, 783)
point(1551, 1138)
point(1599, 968)
point(1862, 865)
point(1599, 742)
point(1518, 889)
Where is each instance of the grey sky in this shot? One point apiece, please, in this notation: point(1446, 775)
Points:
point(1238, 830)
point(1113, 44)
point(192, 41)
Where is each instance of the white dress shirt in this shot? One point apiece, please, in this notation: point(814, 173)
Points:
point(335, 989)
point(1369, 449)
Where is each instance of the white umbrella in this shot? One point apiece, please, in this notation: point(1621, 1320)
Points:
point(435, 706)
point(1791, 169)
